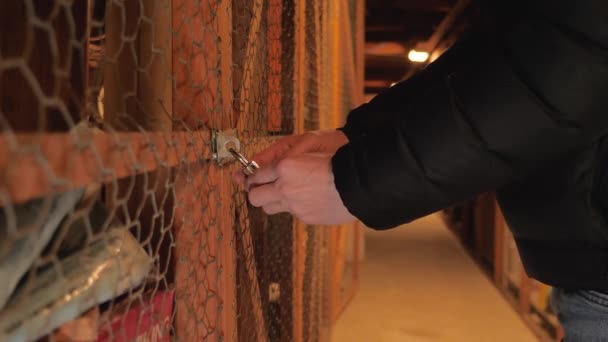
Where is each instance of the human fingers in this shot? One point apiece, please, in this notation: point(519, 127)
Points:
point(264, 195)
point(263, 175)
point(276, 151)
point(275, 208)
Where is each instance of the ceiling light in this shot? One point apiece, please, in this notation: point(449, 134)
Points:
point(418, 56)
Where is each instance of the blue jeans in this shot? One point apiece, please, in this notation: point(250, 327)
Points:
point(583, 314)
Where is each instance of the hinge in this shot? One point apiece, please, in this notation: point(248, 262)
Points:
point(221, 144)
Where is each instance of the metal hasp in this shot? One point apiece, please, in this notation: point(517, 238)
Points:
point(226, 147)
point(222, 143)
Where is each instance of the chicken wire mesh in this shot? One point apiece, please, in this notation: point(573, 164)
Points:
point(118, 220)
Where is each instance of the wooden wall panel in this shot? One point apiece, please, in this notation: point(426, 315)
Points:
point(228, 263)
point(138, 97)
point(120, 75)
point(197, 232)
point(196, 63)
point(206, 271)
point(43, 63)
point(498, 245)
point(275, 52)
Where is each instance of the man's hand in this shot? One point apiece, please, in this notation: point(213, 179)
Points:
point(302, 185)
point(295, 176)
point(327, 141)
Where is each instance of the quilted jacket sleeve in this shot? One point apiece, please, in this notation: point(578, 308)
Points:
point(504, 102)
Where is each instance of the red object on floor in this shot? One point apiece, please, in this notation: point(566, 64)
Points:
point(150, 322)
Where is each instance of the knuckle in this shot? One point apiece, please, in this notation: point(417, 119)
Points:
point(309, 139)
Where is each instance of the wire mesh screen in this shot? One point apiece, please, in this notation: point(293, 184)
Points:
point(119, 218)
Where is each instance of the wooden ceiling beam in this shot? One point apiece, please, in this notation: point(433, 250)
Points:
point(446, 24)
point(375, 90)
point(383, 17)
point(427, 5)
point(398, 35)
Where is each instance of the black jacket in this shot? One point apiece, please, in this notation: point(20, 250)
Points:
point(519, 106)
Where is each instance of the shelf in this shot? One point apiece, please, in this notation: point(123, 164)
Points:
point(519, 290)
point(546, 316)
point(536, 325)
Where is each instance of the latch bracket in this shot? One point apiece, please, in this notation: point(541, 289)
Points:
point(222, 141)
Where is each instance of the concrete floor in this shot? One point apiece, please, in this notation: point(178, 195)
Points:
point(418, 284)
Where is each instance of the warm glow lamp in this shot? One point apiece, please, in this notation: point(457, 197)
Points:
point(418, 56)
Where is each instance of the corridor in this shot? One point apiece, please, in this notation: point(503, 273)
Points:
point(418, 284)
